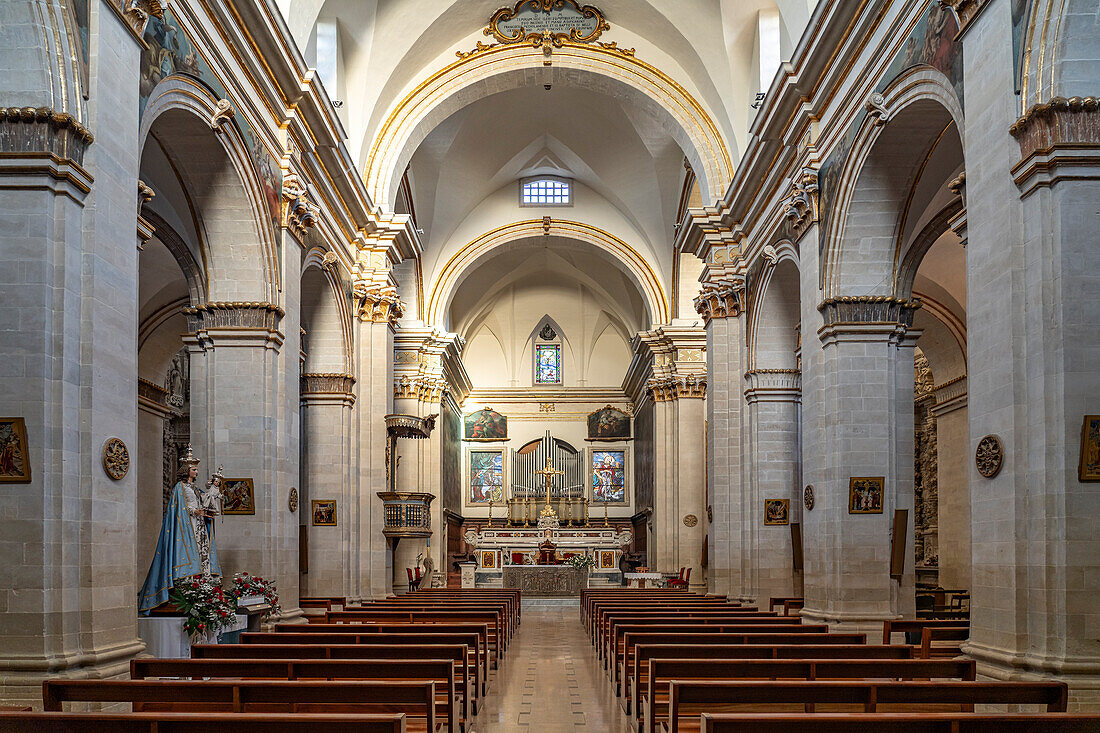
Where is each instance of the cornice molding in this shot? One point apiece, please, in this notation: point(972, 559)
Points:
point(43, 130)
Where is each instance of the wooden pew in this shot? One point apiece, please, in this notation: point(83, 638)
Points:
point(465, 683)
point(792, 604)
point(900, 723)
point(335, 603)
point(780, 600)
point(504, 619)
point(625, 653)
point(414, 698)
point(482, 630)
point(497, 639)
point(930, 635)
point(689, 698)
point(474, 642)
point(510, 595)
point(906, 625)
point(601, 610)
point(606, 636)
point(593, 597)
point(440, 671)
point(604, 616)
point(653, 703)
point(12, 722)
point(636, 677)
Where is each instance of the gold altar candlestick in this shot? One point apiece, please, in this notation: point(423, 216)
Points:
point(605, 515)
point(527, 511)
point(586, 524)
point(490, 514)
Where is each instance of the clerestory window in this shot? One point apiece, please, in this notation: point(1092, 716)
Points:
point(546, 191)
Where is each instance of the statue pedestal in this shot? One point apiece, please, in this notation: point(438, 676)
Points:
point(165, 638)
point(467, 570)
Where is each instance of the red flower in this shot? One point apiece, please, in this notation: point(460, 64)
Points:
point(202, 627)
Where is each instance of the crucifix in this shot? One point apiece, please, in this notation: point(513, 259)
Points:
point(548, 474)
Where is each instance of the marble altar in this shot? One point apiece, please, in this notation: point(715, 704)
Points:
point(546, 581)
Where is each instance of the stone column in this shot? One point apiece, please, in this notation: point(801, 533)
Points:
point(68, 272)
point(378, 307)
point(327, 401)
point(678, 385)
point(1032, 262)
point(721, 305)
point(862, 412)
point(244, 416)
point(953, 490)
point(773, 398)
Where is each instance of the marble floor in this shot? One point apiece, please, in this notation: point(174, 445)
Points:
point(550, 681)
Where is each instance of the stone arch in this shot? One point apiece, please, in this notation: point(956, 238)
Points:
point(213, 161)
point(192, 270)
point(510, 66)
point(1058, 57)
point(913, 255)
point(774, 306)
point(475, 252)
point(43, 58)
point(890, 150)
point(325, 317)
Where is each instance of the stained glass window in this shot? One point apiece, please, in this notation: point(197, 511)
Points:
point(486, 476)
point(547, 364)
point(545, 192)
point(608, 476)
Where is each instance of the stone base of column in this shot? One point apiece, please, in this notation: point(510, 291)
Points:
point(849, 622)
point(1082, 674)
point(21, 678)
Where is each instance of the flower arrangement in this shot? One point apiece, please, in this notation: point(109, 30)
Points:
point(204, 605)
point(582, 561)
point(245, 585)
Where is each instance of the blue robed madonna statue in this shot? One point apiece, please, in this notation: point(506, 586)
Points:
point(185, 547)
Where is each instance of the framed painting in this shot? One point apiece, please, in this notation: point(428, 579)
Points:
point(608, 560)
point(324, 512)
point(777, 512)
point(609, 424)
point(490, 559)
point(238, 496)
point(486, 424)
point(865, 494)
point(609, 477)
point(15, 464)
point(1089, 468)
point(486, 476)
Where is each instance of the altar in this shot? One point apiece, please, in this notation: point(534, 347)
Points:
point(497, 551)
point(546, 581)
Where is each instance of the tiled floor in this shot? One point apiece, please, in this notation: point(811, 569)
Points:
point(550, 680)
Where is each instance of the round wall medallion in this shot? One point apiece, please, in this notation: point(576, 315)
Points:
point(116, 459)
point(292, 502)
point(808, 497)
point(690, 520)
point(989, 456)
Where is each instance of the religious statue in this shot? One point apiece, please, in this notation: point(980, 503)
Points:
point(185, 547)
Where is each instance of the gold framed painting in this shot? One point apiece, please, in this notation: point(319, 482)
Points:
point(1089, 466)
point(608, 560)
point(324, 512)
point(489, 559)
point(15, 463)
point(865, 494)
point(238, 496)
point(777, 512)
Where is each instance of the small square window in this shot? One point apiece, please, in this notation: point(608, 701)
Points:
point(545, 192)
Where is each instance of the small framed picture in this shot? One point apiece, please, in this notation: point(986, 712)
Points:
point(777, 512)
point(1089, 468)
point(865, 494)
point(608, 560)
point(238, 496)
point(489, 559)
point(15, 464)
point(324, 512)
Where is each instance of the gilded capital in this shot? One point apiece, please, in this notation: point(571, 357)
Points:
point(1059, 122)
point(721, 299)
point(666, 389)
point(800, 205)
point(378, 303)
point(299, 212)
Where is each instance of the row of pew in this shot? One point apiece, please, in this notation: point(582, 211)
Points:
point(680, 662)
point(419, 662)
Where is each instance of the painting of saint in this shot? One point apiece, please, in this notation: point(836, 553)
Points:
point(486, 424)
point(324, 512)
point(608, 477)
point(239, 497)
point(609, 424)
point(777, 511)
point(865, 494)
point(15, 466)
point(486, 476)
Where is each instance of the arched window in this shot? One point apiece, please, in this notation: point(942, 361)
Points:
point(547, 354)
point(546, 191)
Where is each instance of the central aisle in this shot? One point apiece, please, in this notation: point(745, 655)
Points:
point(550, 680)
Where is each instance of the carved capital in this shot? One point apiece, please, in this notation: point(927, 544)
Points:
point(869, 309)
point(42, 130)
point(1059, 122)
point(327, 383)
point(965, 10)
point(800, 206)
point(378, 303)
point(419, 387)
point(721, 299)
point(138, 12)
point(241, 315)
point(666, 389)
